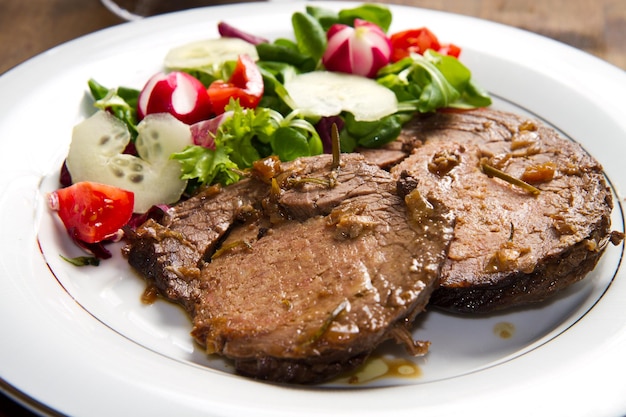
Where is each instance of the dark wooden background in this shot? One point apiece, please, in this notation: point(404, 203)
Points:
point(28, 27)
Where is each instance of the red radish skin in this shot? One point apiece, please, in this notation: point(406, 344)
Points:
point(359, 50)
point(177, 93)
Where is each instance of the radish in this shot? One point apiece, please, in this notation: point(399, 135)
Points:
point(177, 93)
point(360, 50)
point(96, 155)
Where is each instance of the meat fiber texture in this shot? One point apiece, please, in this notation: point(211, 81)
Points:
point(511, 247)
point(298, 275)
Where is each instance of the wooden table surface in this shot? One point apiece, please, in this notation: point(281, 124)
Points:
point(28, 28)
point(596, 26)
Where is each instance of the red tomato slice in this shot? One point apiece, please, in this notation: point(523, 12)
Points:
point(92, 212)
point(418, 41)
point(245, 85)
point(450, 49)
point(412, 41)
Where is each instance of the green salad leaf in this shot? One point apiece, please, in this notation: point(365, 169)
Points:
point(207, 166)
point(310, 35)
point(428, 82)
point(378, 14)
point(326, 17)
point(421, 83)
point(244, 137)
point(121, 102)
point(371, 134)
point(82, 260)
point(285, 52)
point(471, 95)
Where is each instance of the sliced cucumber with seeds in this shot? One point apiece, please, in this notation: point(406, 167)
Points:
point(96, 155)
point(210, 53)
point(322, 93)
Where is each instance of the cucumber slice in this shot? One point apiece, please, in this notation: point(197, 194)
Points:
point(324, 93)
point(96, 155)
point(209, 53)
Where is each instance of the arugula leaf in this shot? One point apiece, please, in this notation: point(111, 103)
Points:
point(474, 96)
point(432, 81)
point(471, 95)
point(418, 82)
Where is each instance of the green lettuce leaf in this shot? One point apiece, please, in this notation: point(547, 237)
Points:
point(207, 166)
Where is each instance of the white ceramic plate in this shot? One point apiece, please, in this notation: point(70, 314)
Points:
point(78, 340)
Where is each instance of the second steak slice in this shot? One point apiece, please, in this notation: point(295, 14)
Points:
point(512, 245)
point(317, 269)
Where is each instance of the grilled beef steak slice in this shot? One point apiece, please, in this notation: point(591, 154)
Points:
point(510, 246)
point(170, 252)
point(299, 275)
point(387, 155)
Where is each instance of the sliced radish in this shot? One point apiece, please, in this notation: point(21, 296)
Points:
point(321, 93)
point(208, 54)
point(96, 155)
point(360, 50)
point(177, 93)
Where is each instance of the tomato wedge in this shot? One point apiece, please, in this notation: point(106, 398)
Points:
point(418, 41)
point(92, 212)
point(245, 85)
point(412, 41)
point(450, 49)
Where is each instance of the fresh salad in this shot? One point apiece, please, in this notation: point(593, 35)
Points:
point(221, 104)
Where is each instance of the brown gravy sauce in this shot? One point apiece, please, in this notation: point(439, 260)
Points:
point(375, 367)
point(150, 294)
point(504, 330)
point(381, 367)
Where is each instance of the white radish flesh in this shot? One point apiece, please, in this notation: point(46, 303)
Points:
point(177, 93)
point(361, 50)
